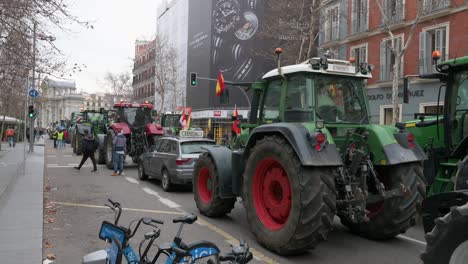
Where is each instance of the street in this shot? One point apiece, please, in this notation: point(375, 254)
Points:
point(74, 209)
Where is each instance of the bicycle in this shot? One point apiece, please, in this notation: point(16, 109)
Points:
point(176, 252)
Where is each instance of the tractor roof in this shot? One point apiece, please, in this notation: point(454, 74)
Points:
point(463, 61)
point(123, 104)
point(335, 67)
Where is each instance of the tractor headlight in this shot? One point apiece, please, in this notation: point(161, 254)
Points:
point(319, 124)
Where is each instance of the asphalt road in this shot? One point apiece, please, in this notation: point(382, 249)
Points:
point(74, 211)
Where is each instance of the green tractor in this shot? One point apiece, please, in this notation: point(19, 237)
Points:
point(76, 117)
point(170, 122)
point(308, 153)
point(95, 122)
point(444, 137)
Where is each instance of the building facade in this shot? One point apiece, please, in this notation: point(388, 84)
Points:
point(143, 71)
point(99, 100)
point(356, 28)
point(60, 100)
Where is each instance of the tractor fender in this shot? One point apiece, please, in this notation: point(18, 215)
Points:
point(121, 126)
point(222, 157)
point(154, 129)
point(81, 128)
point(297, 136)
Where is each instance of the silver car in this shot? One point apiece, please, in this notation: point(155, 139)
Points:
point(172, 160)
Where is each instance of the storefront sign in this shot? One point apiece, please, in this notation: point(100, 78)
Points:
point(388, 96)
point(217, 113)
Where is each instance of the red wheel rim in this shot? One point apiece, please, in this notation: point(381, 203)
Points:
point(204, 185)
point(272, 194)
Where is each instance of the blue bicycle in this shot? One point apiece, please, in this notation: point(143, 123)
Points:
point(177, 252)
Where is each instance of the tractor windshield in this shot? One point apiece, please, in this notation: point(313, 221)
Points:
point(340, 99)
point(461, 84)
point(95, 117)
point(171, 121)
point(460, 111)
point(136, 117)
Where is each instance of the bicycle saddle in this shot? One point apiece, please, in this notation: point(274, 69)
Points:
point(187, 219)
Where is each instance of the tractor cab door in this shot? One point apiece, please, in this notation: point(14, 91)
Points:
point(458, 109)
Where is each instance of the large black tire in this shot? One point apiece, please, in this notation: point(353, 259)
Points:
point(395, 215)
point(78, 138)
point(310, 198)
point(108, 147)
point(101, 156)
point(449, 236)
point(206, 189)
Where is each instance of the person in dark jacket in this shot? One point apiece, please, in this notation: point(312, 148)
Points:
point(89, 145)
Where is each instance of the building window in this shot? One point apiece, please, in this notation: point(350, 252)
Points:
point(430, 6)
point(332, 23)
point(386, 114)
point(359, 53)
point(430, 39)
point(360, 15)
point(387, 58)
point(394, 11)
point(431, 108)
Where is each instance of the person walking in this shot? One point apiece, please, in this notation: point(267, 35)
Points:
point(54, 137)
point(120, 144)
point(60, 139)
point(10, 134)
point(89, 145)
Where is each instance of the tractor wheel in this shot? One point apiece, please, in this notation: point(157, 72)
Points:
point(108, 147)
point(206, 189)
point(448, 241)
point(78, 138)
point(101, 155)
point(289, 207)
point(461, 182)
point(389, 218)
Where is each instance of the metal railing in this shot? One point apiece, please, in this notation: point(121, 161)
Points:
point(430, 6)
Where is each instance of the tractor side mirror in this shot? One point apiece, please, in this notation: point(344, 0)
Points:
point(406, 90)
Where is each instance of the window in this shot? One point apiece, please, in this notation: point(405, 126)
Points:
point(195, 147)
point(387, 59)
point(165, 146)
point(431, 108)
point(332, 23)
point(271, 100)
point(386, 114)
point(430, 6)
point(394, 10)
point(430, 39)
point(359, 53)
point(360, 15)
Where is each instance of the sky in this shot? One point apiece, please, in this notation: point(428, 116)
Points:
point(109, 47)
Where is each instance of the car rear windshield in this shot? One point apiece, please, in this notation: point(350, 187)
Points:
point(194, 147)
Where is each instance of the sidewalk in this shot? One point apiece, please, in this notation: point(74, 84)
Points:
point(21, 206)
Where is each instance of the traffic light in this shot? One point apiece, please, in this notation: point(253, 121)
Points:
point(32, 113)
point(193, 79)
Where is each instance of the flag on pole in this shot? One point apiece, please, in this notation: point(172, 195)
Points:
point(236, 113)
point(189, 119)
point(220, 84)
point(183, 120)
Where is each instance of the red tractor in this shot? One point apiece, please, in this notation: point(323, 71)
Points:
point(136, 122)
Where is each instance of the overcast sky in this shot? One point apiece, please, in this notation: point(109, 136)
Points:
point(109, 47)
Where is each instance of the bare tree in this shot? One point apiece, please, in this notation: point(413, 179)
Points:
point(119, 84)
point(397, 48)
point(166, 73)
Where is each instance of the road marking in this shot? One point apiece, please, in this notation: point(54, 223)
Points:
point(68, 156)
point(4, 164)
point(70, 166)
point(132, 180)
point(412, 240)
point(51, 156)
point(124, 209)
point(163, 200)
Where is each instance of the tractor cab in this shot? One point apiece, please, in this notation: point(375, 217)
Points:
point(136, 115)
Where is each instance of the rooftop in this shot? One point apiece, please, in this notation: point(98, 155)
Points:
point(61, 84)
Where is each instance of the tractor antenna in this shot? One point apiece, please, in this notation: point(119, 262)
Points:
point(278, 52)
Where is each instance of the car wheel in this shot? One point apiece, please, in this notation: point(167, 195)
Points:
point(141, 172)
point(166, 181)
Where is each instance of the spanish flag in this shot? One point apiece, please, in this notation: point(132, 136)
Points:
point(220, 84)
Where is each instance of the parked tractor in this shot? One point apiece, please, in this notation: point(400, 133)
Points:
point(444, 137)
point(94, 122)
point(135, 120)
point(308, 153)
point(170, 121)
point(76, 117)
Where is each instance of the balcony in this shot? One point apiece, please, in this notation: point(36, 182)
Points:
point(431, 6)
point(394, 12)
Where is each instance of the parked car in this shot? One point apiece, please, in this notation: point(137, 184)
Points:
point(172, 159)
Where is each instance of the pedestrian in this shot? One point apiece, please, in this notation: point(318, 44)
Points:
point(54, 137)
point(10, 134)
point(120, 144)
point(210, 134)
point(65, 137)
point(60, 139)
point(89, 145)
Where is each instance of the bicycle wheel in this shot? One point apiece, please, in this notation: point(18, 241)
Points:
point(202, 252)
